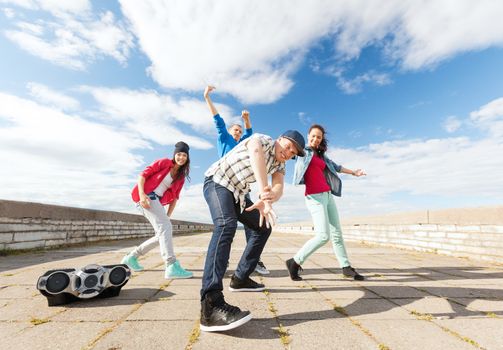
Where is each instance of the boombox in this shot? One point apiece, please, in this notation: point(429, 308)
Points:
point(63, 286)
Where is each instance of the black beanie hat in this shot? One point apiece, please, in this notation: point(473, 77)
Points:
point(182, 147)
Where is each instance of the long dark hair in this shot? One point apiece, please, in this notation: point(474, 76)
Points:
point(322, 148)
point(184, 170)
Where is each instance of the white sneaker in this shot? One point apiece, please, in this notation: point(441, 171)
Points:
point(261, 269)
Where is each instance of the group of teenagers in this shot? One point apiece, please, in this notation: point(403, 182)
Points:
point(245, 158)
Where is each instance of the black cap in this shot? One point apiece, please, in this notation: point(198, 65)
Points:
point(297, 139)
point(182, 147)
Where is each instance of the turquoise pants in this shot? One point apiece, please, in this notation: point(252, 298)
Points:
point(327, 226)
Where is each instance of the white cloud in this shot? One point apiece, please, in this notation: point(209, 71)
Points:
point(62, 52)
point(34, 28)
point(419, 104)
point(29, 4)
point(452, 124)
point(447, 168)
point(50, 97)
point(441, 172)
point(53, 157)
point(192, 206)
point(105, 36)
point(355, 134)
point(65, 159)
point(63, 8)
point(490, 117)
point(8, 12)
point(429, 34)
point(388, 133)
point(247, 49)
point(355, 85)
point(252, 50)
point(491, 111)
point(155, 117)
point(56, 7)
point(74, 37)
point(304, 118)
point(419, 34)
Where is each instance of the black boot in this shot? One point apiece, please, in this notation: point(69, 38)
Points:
point(217, 315)
point(293, 269)
point(348, 271)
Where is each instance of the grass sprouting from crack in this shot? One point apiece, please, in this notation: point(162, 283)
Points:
point(37, 321)
point(465, 339)
point(284, 336)
point(421, 316)
point(194, 336)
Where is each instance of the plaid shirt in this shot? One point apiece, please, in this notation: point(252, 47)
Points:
point(234, 170)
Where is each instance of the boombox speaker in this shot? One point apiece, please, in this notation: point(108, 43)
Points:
point(66, 285)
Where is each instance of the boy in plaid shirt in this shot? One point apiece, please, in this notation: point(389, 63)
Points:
point(225, 187)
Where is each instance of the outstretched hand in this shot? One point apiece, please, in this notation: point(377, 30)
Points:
point(266, 212)
point(359, 172)
point(207, 91)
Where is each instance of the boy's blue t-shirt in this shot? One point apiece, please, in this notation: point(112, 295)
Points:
point(225, 141)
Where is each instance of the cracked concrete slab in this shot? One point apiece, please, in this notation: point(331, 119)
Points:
point(410, 300)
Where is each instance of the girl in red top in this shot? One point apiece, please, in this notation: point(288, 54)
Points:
point(319, 174)
point(159, 185)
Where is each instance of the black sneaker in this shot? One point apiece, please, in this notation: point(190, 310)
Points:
point(247, 285)
point(348, 271)
point(293, 269)
point(218, 316)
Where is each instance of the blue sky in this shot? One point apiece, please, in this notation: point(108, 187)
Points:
point(410, 91)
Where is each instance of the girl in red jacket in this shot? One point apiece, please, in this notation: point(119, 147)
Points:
point(160, 185)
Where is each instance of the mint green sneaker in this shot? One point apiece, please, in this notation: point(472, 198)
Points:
point(132, 262)
point(176, 271)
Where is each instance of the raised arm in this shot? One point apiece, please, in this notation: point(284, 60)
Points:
point(245, 115)
point(207, 98)
point(246, 118)
point(257, 161)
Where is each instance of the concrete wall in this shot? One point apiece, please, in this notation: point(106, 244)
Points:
point(26, 225)
point(474, 233)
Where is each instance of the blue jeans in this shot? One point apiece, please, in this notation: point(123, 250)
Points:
point(225, 213)
point(248, 231)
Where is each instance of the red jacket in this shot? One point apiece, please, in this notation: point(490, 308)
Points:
point(153, 175)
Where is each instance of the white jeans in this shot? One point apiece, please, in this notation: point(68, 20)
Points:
point(159, 220)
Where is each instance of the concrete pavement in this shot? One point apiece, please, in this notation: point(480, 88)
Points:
point(410, 300)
